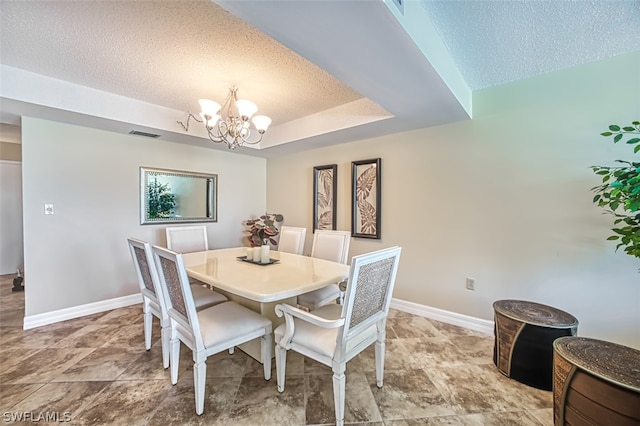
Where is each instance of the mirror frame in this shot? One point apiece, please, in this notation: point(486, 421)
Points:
point(211, 196)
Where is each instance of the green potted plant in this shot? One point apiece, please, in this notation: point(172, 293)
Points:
point(619, 192)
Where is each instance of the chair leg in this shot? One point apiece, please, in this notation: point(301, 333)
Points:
point(379, 362)
point(174, 359)
point(148, 323)
point(281, 366)
point(265, 349)
point(199, 380)
point(165, 339)
point(379, 350)
point(339, 380)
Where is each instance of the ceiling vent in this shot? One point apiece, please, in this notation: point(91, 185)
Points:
point(145, 134)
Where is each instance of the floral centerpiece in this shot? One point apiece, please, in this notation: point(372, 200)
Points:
point(264, 230)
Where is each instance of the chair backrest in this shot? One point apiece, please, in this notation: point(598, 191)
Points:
point(371, 280)
point(146, 270)
point(187, 239)
point(174, 284)
point(331, 245)
point(292, 239)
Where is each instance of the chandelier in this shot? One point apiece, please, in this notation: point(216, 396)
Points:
point(229, 122)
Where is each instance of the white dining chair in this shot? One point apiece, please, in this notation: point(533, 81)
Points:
point(207, 331)
point(153, 299)
point(187, 239)
point(328, 245)
point(292, 239)
point(334, 334)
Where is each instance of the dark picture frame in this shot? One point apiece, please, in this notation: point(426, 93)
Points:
point(325, 191)
point(366, 198)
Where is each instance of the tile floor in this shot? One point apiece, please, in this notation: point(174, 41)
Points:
point(95, 371)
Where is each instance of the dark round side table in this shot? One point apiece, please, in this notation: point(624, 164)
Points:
point(595, 382)
point(524, 335)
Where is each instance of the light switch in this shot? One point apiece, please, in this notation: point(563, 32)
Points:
point(48, 209)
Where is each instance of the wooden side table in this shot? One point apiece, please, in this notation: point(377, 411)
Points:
point(524, 335)
point(595, 383)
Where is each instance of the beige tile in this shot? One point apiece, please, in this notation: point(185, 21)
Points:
point(101, 364)
point(69, 397)
point(409, 394)
point(544, 415)
point(147, 366)
point(509, 418)
point(258, 402)
point(360, 406)
point(178, 407)
point(397, 357)
point(38, 338)
point(427, 353)
point(11, 357)
point(10, 395)
point(127, 403)
point(476, 349)
point(408, 326)
point(44, 365)
point(482, 388)
point(125, 336)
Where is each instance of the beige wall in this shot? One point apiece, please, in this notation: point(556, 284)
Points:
point(503, 198)
point(79, 255)
point(10, 151)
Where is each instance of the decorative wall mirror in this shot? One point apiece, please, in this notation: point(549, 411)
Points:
point(170, 196)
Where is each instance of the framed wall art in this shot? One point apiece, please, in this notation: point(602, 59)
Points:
point(365, 198)
point(325, 184)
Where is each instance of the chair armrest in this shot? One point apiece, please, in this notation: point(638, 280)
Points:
point(292, 311)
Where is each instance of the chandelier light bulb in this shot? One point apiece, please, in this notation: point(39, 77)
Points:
point(261, 122)
point(209, 107)
point(246, 108)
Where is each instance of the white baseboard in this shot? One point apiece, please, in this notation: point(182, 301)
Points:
point(33, 321)
point(472, 323)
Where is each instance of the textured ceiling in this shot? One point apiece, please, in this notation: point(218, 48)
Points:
point(497, 42)
point(326, 72)
point(170, 55)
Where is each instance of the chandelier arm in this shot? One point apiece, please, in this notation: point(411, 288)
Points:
point(245, 139)
point(186, 127)
point(231, 129)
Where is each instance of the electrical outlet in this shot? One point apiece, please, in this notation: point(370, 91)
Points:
point(471, 284)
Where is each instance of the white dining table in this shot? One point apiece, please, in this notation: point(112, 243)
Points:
point(260, 287)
